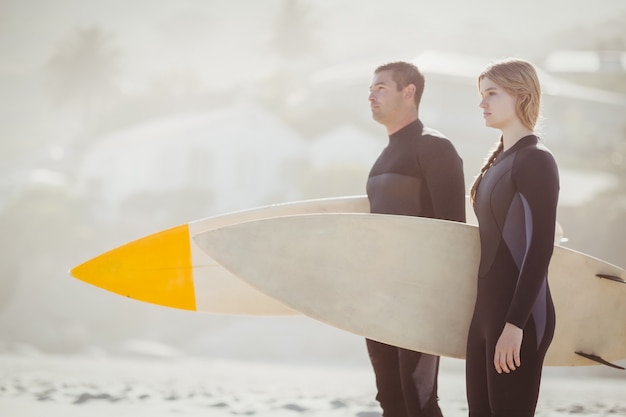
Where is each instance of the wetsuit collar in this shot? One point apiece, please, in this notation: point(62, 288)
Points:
point(411, 130)
point(523, 142)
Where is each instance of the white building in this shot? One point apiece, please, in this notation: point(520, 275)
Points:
point(241, 155)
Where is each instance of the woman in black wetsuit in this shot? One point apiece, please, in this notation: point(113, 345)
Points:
point(515, 198)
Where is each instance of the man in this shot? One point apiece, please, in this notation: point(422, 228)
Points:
point(419, 173)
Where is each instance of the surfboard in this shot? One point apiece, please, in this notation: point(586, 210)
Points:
point(167, 268)
point(411, 281)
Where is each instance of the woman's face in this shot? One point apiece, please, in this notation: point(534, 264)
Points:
point(498, 105)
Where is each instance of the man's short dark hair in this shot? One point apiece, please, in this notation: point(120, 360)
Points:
point(403, 74)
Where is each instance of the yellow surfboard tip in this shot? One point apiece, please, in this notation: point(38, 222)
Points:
point(156, 269)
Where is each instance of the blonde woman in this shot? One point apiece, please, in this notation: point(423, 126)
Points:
point(515, 198)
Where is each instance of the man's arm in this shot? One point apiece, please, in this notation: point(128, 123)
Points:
point(445, 180)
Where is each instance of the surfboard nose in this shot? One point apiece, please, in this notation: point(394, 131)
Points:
point(156, 269)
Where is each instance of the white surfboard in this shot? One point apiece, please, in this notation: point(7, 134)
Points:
point(168, 268)
point(411, 281)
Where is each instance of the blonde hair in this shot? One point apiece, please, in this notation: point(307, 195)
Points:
point(518, 78)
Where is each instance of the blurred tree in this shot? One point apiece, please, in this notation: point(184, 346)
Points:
point(40, 221)
point(82, 72)
point(294, 37)
point(297, 52)
point(45, 231)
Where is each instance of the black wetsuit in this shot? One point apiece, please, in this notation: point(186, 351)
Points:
point(419, 173)
point(516, 209)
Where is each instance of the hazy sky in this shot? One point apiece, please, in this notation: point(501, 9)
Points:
point(226, 39)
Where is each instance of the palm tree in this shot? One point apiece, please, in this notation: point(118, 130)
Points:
point(82, 71)
point(297, 52)
point(294, 37)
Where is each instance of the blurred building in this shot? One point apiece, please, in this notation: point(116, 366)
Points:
point(596, 121)
point(584, 65)
point(236, 155)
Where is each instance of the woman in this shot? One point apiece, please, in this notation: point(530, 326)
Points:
point(515, 199)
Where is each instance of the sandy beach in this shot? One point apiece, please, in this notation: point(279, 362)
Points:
point(34, 384)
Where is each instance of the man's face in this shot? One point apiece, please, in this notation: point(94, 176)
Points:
point(385, 99)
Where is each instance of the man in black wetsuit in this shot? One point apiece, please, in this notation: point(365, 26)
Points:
point(419, 173)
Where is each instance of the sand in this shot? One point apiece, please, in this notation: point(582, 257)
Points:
point(35, 384)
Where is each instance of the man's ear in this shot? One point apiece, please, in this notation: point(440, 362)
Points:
point(409, 91)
